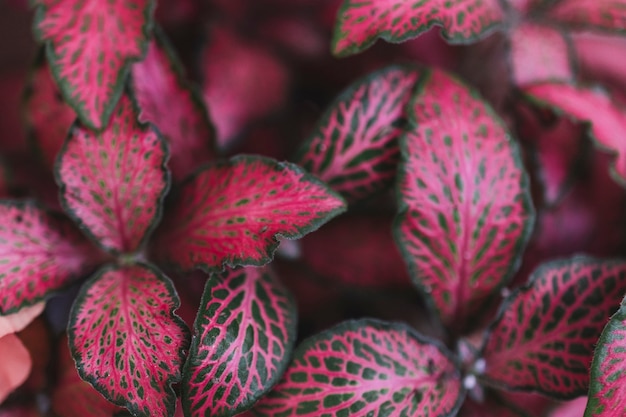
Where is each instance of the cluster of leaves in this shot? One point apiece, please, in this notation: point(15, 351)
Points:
point(157, 228)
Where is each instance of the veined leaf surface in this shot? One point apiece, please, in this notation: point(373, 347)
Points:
point(169, 102)
point(607, 392)
point(606, 15)
point(363, 368)
point(126, 340)
point(244, 334)
point(464, 206)
point(361, 22)
point(112, 182)
point(230, 213)
point(90, 46)
point(354, 147)
point(608, 121)
point(40, 253)
point(543, 338)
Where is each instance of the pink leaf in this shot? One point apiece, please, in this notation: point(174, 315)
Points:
point(112, 182)
point(126, 339)
point(244, 334)
point(367, 367)
point(231, 212)
point(465, 210)
point(354, 148)
point(361, 22)
point(607, 121)
point(14, 366)
point(175, 107)
point(48, 117)
point(543, 338)
point(608, 15)
point(574, 408)
point(16, 322)
point(540, 53)
point(40, 253)
point(90, 46)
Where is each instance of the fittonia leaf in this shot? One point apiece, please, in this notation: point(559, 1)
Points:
point(40, 253)
point(363, 368)
point(354, 147)
point(244, 334)
point(230, 213)
point(126, 340)
point(169, 102)
point(90, 46)
point(544, 336)
point(361, 22)
point(112, 182)
point(605, 15)
point(607, 392)
point(608, 121)
point(464, 205)
point(48, 117)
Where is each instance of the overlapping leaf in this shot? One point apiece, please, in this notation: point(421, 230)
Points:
point(354, 147)
point(608, 121)
point(607, 392)
point(544, 337)
point(367, 368)
point(126, 340)
point(244, 334)
point(113, 182)
point(231, 212)
point(174, 107)
point(40, 253)
point(606, 15)
point(465, 211)
point(361, 22)
point(90, 46)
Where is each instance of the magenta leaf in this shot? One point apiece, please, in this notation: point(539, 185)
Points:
point(230, 213)
point(367, 367)
point(607, 392)
point(606, 15)
point(544, 336)
point(607, 120)
point(244, 334)
point(40, 253)
point(126, 340)
point(178, 110)
point(361, 22)
point(90, 46)
point(354, 147)
point(464, 207)
point(112, 182)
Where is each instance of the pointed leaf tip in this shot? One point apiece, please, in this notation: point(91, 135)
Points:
point(126, 340)
point(231, 212)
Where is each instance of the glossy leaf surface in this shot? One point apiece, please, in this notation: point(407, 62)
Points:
point(231, 212)
point(90, 46)
point(113, 182)
point(354, 147)
point(244, 334)
point(543, 339)
point(608, 121)
point(607, 15)
point(464, 207)
point(169, 102)
point(361, 22)
point(126, 340)
point(40, 253)
point(363, 368)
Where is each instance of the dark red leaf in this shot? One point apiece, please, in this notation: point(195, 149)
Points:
point(4, 180)
point(367, 367)
point(607, 15)
point(126, 340)
point(354, 147)
point(244, 334)
point(20, 411)
point(230, 213)
point(112, 182)
point(543, 338)
point(90, 46)
point(175, 107)
point(464, 207)
point(361, 22)
point(40, 253)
